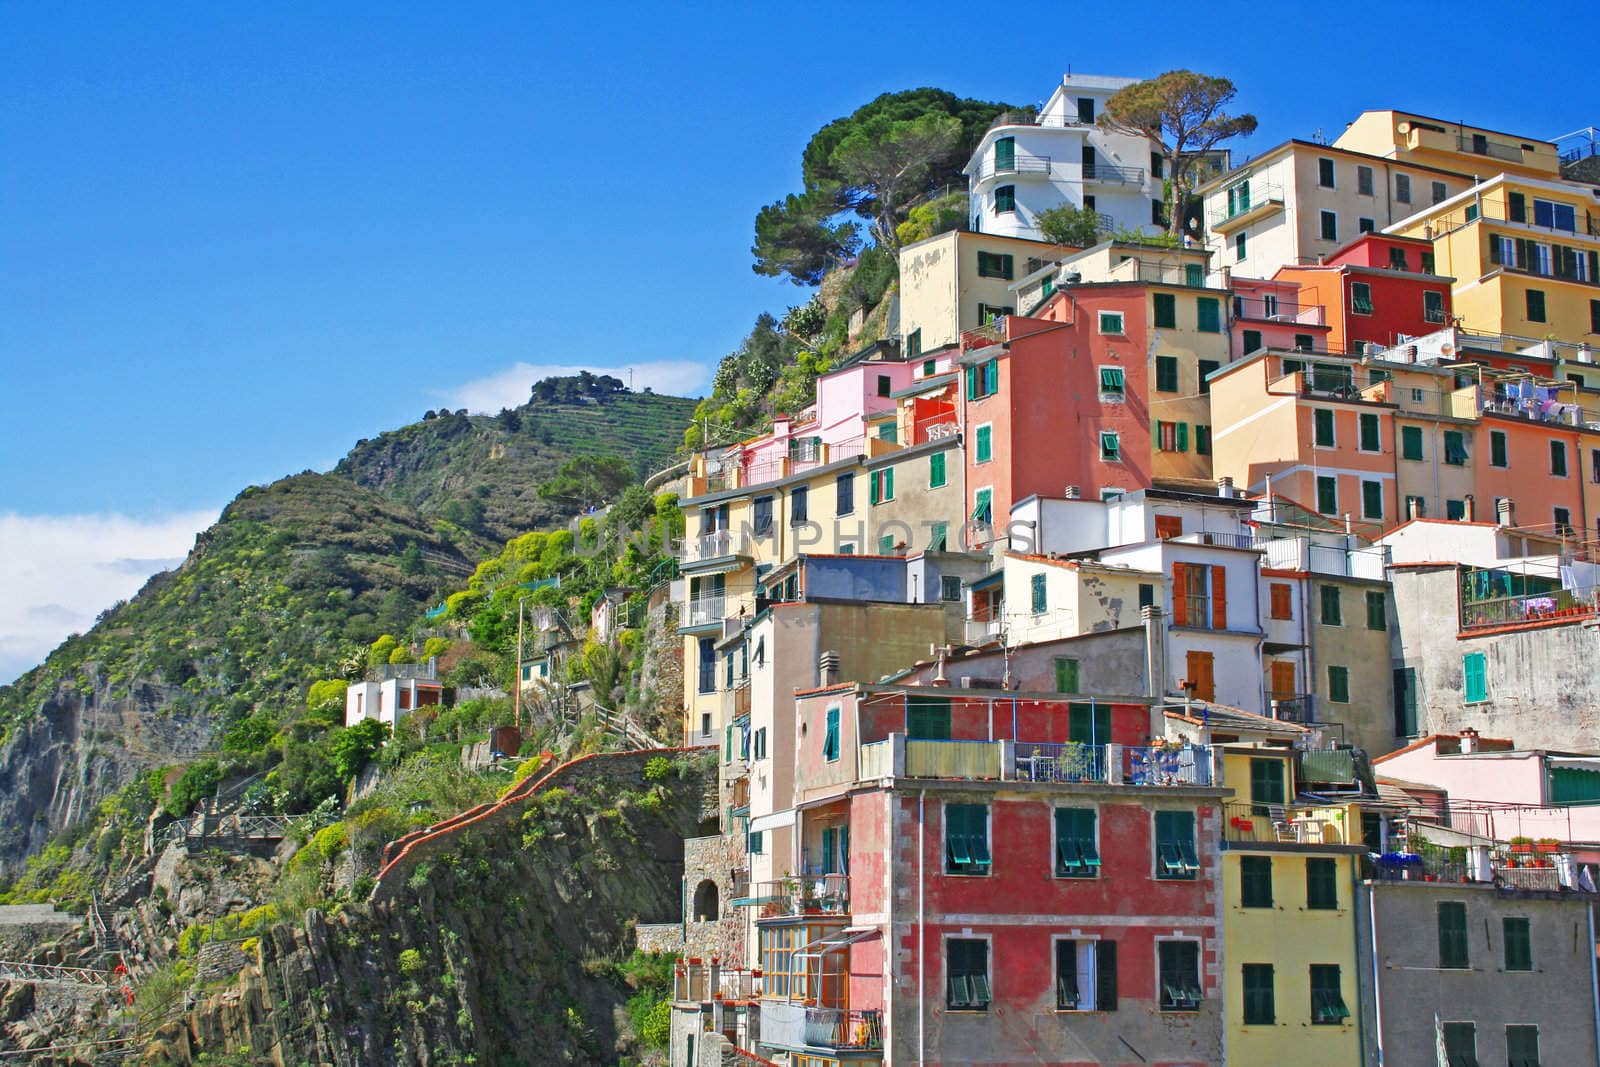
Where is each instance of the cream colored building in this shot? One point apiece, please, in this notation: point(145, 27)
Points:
point(1473, 150)
point(957, 281)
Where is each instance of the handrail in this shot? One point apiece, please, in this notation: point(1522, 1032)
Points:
point(1113, 175)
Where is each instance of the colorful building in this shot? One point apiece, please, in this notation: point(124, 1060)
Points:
point(957, 281)
point(1376, 291)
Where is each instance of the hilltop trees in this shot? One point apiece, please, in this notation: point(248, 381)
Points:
point(1184, 110)
point(588, 481)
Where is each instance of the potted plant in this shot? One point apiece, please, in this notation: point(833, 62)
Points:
point(1521, 845)
point(1548, 845)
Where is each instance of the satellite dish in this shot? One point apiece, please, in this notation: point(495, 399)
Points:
point(1402, 127)
point(1447, 350)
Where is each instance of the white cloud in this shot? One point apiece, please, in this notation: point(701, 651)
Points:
point(509, 388)
point(59, 571)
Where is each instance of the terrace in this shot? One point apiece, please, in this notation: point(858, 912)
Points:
point(1158, 766)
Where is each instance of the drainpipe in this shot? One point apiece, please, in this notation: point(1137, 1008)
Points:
point(922, 940)
point(1355, 889)
point(1594, 984)
point(1377, 989)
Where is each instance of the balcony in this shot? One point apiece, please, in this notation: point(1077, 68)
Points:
point(1019, 166)
point(1038, 761)
point(1158, 272)
point(1271, 309)
point(697, 982)
point(1479, 145)
point(982, 631)
point(704, 610)
point(1105, 174)
point(1032, 118)
point(719, 544)
point(1554, 606)
point(1304, 554)
point(1293, 824)
point(1256, 203)
point(1294, 707)
point(1542, 406)
point(818, 894)
point(798, 1026)
point(1218, 539)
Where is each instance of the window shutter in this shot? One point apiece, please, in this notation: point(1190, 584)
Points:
point(1219, 598)
point(1155, 435)
point(888, 483)
point(1105, 976)
point(1183, 437)
point(874, 488)
point(1180, 594)
point(991, 377)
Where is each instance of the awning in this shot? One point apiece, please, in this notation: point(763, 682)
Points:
point(838, 939)
point(720, 565)
point(772, 821)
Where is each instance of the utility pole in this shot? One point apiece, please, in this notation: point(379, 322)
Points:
point(516, 695)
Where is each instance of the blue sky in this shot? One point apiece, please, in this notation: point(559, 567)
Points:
point(237, 238)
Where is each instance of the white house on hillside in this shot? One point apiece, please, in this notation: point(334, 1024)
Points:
point(1028, 163)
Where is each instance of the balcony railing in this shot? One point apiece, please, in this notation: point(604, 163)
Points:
point(1037, 761)
point(1534, 409)
point(1303, 554)
point(1259, 198)
point(818, 894)
point(1020, 165)
point(983, 631)
point(695, 981)
point(1294, 707)
point(714, 545)
point(1033, 118)
point(844, 1028)
point(1272, 309)
point(1328, 766)
point(1482, 146)
point(1106, 174)
point(1220, 539)
point(1536, 607)
point(701, 610)
point(1291, 824)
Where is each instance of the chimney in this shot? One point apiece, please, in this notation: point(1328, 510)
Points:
point(1225, 487)
point(1469, 741)
point(828, 668)
point(1505, 511)
point(1155, 652)
point(1471, 508)
point(1073, 492)
point(1227, 278)
point(1413, 508)
point(1427, 231)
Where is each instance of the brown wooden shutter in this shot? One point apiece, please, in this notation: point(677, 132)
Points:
point(1219, 598)
point(1180, 594)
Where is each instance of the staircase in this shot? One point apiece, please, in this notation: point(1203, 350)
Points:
point(106, 937)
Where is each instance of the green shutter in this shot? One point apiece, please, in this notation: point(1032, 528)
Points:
point(991, 377)
point(1332, 606)
point(1410, 442)
point(1519, 943)
point(1475, 669)
point(1259, 1009)
point(936, 470)
point(984, 501)
point(1267, 782)
point(1339, 684)
point(1166, 310)
point(875, 487)
point(1066, 675)
point(1377, 610)
point(1370, 438)
point(1328, 494)
point(1322, 884)
point(1453, 948)
point(1005, 154)
point(888, 483)
point(830, 743)
point(1405, 702)
point(1322, 420)
point(1371, 500)
point(1255, 881)
point(1183, 437)
point(1176, 857)
point(928, 718)
point(1497, 448)
point(1037, 584)
point(1208, 314)
point(1167, 374)
point(985, 443)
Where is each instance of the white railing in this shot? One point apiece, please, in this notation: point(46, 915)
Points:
point(1303, 554)
point(704, 609)
point(982, 631)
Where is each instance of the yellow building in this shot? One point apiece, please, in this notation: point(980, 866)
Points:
point(1430, 142)
point(1525, 253)
point(1289, 875)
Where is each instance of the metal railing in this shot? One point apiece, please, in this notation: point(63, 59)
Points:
point(704, 609)
point(1546, 878)
point(982, 631)
point(1070, 762)
point(1567, 414)
point(1162, 765)
point(1036, 761)
point(714, 545)
point(1272, 309)
point(843, 1028)
point(1033, 118)
point(1534, 607)
point(1258, 197)
point(1303, 554)
point(1020, 166)
point(990, 333)
point(695, 981)
point(1294, 707)
point(1106, 174)
point(817, 894)
point(1482, 146)
point(1292, 824)
point(1219, 539)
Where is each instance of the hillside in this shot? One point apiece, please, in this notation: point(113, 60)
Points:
point(483, 472)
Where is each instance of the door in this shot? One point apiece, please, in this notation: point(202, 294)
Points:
point(1088, 163)
point(1283, 679)
point(928, 718)
point(1198, 672)
point(1005, 155)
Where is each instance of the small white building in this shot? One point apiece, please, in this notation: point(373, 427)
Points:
point(1027, 163)
point(389, 699)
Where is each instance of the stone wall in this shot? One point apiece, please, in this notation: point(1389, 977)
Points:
point(714, 860)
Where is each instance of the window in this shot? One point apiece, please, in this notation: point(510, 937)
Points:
point(1455, 448)
point(1327, 494)
point(880, 487)
point(1066, 675)
point(1086, 110)
point(1577, 379)
point(966, 838)
point(928, 718)
point(1282, 601)
point(1200, 672)
point(1322, 884)
point(1397, 259)
point(845, 492)
point(967, 964)
point(1594, 316)
point(1594, 464)
point(983, 509)
point(1147, 595)
point(1411, 442)
point(1158, 214)
point(708, 667)
point(1460, 1044)
point(1176, 858)
point(1325, 173)
point(1166, 374)
point(1519, 944)
point(1303, 342)
point(760, 746)
point(1402, 188)
point(991, 312)
point(888, 431)
point(1086, 975)
point(1005, 158)
point(1535, 300)
point(1453, 953)
point(1172, 436)
point(1005, 199)
point(1563, 521)
point(763, 515)
point(1371, 499)
point(1338, 684)
point(1558, 458)
point(1366, 225)
point(1554, 216)
point(1416, 508)
point(994, 265)
point(1497, 448)
point(1377, 610)
point(950, 589)
point(1522, 1045)
point(1432, 305)
point(1258, 1006)
point(1330, 226)
point(886, 545)
point(1439, 192)
point(1202, 440)
point(1327, 999)
point(1427, 263)
point(1036, 587)
point(756, 843)
point(1164, 307)
point(1111, 322)
point(1332, 606)
point(1239, 246)
point(1110, 446)
point(1361, 298)
point(1077, 853)
point(830, 739)
point(1255, 881)
point(1405, 702)
point(1322, 425)
point(1371, 438)
point(1179, 967)
point(1471, 213)
point(1113, 383)
point(983, 379)
point(983, 443)
point(799, 505)
point(1208, 314)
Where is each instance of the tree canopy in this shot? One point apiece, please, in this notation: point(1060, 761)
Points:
point(1184, 110)
point(588, 481)
point(876, 163)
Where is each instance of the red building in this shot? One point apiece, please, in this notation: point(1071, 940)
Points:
point(992, 877)
point(1378, 288)
point(1272, 314)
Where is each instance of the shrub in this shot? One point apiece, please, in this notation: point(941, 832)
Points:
point(195, 784)
point(657, 768)
point(435, 646)
point(410, 961)
point(327, 691)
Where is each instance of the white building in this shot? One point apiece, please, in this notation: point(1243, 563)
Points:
point(1028, 163)
point(389, 699)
